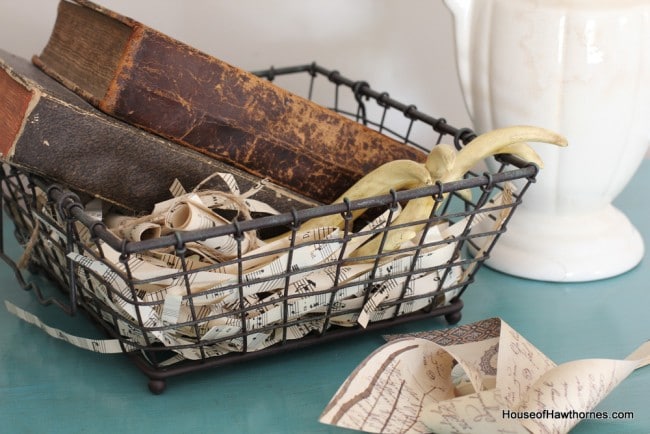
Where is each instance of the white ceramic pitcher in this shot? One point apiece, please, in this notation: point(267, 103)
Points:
point(581, 68)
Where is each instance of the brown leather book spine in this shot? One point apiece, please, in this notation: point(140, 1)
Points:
point(169, 88)
point(50, 131)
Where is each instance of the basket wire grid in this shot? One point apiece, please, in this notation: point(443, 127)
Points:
point(96, 270)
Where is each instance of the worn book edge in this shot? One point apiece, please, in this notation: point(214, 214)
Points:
point(39, 93)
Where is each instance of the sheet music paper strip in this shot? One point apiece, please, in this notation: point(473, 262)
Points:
point(104, 346)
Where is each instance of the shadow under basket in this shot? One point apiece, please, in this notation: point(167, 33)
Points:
point(303, 292)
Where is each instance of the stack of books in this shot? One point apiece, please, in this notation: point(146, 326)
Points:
point(117, 110)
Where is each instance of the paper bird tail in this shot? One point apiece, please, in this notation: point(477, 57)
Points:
point(576, 387)
point(641, 355)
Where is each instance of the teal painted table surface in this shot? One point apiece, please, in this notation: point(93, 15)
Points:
point(49, 386)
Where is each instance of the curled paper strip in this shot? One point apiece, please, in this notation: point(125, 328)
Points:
point(188, 211)
point(136, 232)
point(191, 214)
point(407, 385)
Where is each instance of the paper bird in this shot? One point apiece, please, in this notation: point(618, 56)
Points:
point(503, 384)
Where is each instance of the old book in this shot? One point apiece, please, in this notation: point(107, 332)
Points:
point(49, 130)
point(151, 80)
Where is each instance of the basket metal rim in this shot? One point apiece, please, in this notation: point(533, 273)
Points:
point(68, 202)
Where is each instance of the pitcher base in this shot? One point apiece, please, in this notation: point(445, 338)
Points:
point(568, 249)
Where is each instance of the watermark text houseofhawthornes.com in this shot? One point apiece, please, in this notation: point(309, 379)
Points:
point(569, 414)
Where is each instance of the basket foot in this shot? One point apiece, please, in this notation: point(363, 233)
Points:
point(453, 317)
point(157, 386)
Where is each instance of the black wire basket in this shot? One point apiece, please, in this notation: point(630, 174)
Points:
point(288, 306)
